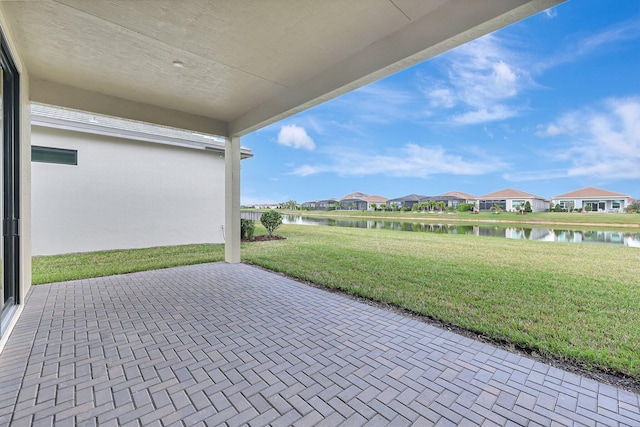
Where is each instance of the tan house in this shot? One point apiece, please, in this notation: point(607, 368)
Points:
point(452, 199)
point(511, 200)
point(593, 199)
point(377, 200)
point(460, 195)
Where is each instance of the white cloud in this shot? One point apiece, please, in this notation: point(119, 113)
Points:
point(305, 170)
point(484, 78)
point(441, 97)
point(411, 160)
point(551, 13)
point(382, 103)
point(608, 142)
point(552, 129)
point(296, 137)
point(627, 30)
point(601, 142)
point(484, 115)
point(605, 39)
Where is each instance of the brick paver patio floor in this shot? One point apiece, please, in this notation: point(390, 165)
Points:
point(220, 344)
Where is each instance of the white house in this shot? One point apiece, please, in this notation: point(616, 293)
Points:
point(594, 199)
point(510, 200)
point(100, 183)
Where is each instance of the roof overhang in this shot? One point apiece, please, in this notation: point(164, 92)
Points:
point(231, 67)
point(79, 121)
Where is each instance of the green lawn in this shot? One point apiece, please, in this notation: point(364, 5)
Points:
point(58, 268)
point(567, 301)
point(607, 219)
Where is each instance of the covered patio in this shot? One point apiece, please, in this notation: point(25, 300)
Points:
point(231, 344)
point(227, 343)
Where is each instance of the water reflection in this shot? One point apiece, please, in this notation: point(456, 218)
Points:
point(523, 233)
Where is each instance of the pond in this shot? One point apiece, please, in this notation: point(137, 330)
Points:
point(556, 234)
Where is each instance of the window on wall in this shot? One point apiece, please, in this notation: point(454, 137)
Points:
point(616, 204)
point(54, 155)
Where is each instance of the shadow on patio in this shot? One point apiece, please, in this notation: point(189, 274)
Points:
point(222, 344)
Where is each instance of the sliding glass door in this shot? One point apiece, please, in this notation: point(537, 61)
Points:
point(10, 198)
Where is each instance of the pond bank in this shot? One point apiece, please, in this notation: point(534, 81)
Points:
point(532, 219)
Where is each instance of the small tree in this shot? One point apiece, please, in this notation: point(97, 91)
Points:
point(588, 208)
point(496, 209)
point(271, 220)
point(527, 207)
point(291, 205)
point(374, 207)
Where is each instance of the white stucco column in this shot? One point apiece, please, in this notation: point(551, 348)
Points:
point(232, 200)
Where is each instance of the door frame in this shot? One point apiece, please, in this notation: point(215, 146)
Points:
point(10, 185)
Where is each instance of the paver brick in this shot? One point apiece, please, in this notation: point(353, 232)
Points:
point(218, 344)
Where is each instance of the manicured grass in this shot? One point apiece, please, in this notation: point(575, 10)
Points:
point(609, 219)
point(568, 301)
point(59, 268)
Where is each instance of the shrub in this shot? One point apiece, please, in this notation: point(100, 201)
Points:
point(465, 207)
point(527, 207)
point(247, 227)
point(271, 220)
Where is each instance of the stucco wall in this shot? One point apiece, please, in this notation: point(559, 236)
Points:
point(124, 194)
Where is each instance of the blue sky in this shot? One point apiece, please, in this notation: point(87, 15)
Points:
point(548, 105)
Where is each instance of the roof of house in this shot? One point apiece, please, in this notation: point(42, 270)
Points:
point(510, 193)
point(356, 195)
point(409, 198)
point(375, 199)
point(80, 121)
point(459, 194)
point(589, 192)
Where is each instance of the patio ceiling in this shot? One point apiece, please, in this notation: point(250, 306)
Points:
point(245, 63)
